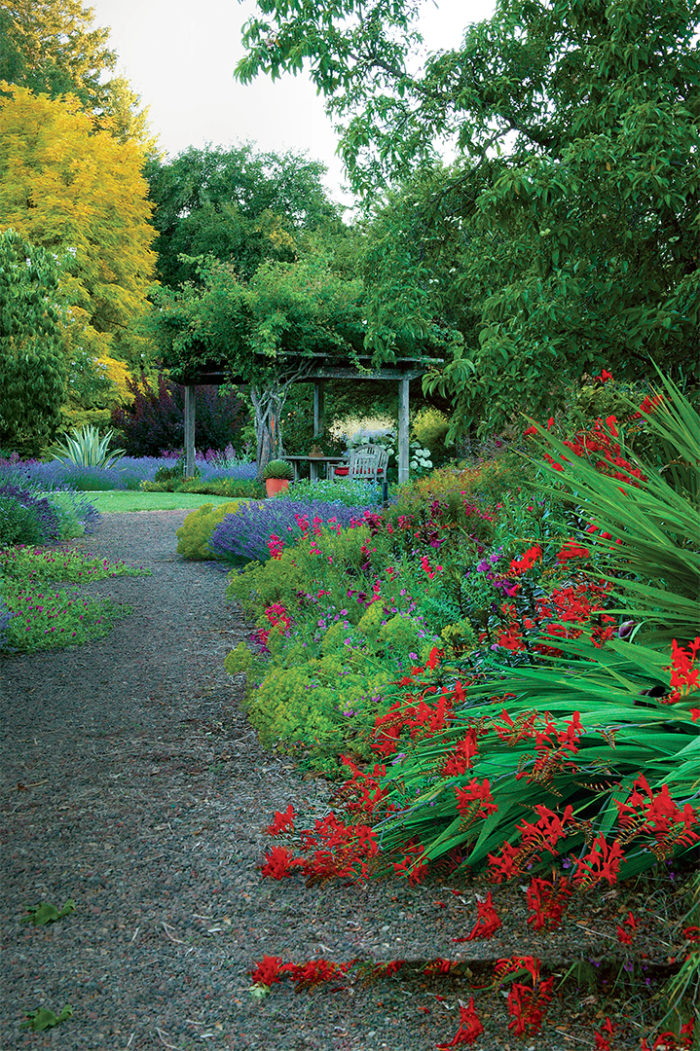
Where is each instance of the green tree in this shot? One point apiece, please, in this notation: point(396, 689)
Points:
point(32, 353)
point(263, 333)
point(569, 217)
point(237, 205)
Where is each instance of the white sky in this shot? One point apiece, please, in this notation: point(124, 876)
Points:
point(179, 57)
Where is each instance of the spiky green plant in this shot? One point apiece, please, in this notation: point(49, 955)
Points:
point(87, 448)
point(620, 692)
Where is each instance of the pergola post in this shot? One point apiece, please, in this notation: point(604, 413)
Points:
point(189, 431)
point(403, 428)
point(319, 399)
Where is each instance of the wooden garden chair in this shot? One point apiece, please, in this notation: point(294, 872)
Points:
point(366, 463)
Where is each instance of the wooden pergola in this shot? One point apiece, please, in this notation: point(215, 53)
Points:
point(321, 372)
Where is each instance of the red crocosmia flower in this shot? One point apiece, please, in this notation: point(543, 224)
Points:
point(529, 430)
point(546, 901)
point(470, 1027)
point(282, 822)
point(603, 1035)
point(526, 561)
point(604, 376)
point(602, 862)
point(488, 922)
point(685, 677)
point(527, 1006)
point(550, 423)
point(434, 658)
point(648, 406)
point(611, 423)
point(627, 930)
point(268, 971)
point(474, 801)
point(278, 863)
point(691, 934)
point(571, 550)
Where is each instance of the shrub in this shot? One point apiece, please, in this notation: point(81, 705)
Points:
point(155, 419)
point(430, 429)
point(194, 535)
point(19, 524)
point(38, 518)
point(278, 469)
point(250, 535)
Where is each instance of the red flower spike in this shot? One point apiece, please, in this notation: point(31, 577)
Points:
point(282, 822)
point(268, 971)
point(487, 923)
point(278, 863)
point(603, 1036)
point(627, 930)
point(470, 1027)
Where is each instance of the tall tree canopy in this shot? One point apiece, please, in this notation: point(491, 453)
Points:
point(32, 354)
point(79, 193)
point(238, 205)
point(54, 48)
point(565, 235)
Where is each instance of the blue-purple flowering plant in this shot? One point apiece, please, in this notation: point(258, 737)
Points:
point(129, 473)
point(245, 536)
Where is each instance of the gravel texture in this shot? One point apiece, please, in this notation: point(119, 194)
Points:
point(133, 784)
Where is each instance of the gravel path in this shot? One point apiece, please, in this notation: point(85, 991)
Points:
point(132, 783)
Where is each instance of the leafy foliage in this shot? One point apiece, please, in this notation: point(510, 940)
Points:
point(53, 48)
point(563, 240)
point(32, 350)
point(154, 420)
point(43, 913)
point(240, 206)
point(44, 1018)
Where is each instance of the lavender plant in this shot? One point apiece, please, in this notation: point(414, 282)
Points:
point(246, 535)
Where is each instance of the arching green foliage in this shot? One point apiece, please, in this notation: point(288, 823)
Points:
point(32, 359)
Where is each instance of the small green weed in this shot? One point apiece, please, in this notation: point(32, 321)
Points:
point(44, 1018)
point(43, 913)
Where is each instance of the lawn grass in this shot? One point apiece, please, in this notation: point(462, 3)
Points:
point(125, 500)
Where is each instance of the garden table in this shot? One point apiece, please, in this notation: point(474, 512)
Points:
point(314, 462)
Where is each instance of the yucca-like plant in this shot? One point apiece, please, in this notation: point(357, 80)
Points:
point(87, 448)
point(635, 699)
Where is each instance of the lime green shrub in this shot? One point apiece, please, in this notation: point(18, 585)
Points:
point(430, 429)
point(194, 534)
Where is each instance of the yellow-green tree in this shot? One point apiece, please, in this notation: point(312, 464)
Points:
point(78, 192)
point(53, 47)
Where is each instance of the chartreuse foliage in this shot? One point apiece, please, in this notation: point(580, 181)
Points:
point(321, 679)
point(79, 192)
point(610, 732)
point(44, 1018)
point(196, 531)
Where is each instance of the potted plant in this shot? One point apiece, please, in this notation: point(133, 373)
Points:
point(277, 475)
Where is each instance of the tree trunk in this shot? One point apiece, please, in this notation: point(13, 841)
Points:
point(268, 405)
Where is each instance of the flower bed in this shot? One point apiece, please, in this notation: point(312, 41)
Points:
point(544, 729)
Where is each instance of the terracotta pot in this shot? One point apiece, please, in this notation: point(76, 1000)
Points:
point(276, 485)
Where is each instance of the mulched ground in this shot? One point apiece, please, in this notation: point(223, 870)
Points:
point(133, 784)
